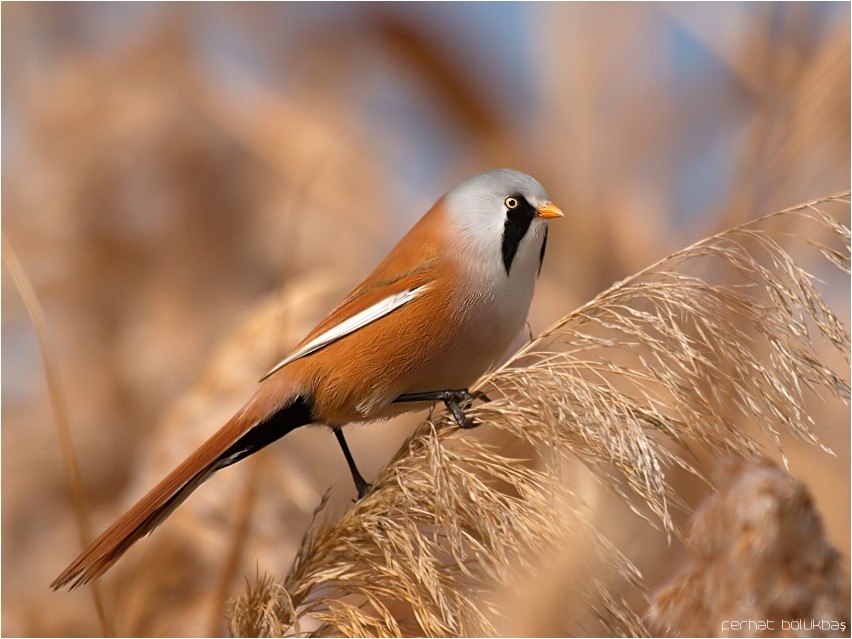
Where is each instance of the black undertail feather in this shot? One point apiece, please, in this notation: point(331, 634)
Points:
point(541, 254)
point(286, 420)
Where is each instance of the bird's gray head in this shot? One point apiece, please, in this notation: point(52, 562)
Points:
point(501, 213)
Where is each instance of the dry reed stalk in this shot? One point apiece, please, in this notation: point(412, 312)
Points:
point(760, 564)
point(663, 357)
point(60, 414)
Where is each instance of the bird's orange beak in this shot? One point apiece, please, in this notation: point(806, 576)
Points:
point(549, 210)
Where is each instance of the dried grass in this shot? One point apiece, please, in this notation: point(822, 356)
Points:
point(417, 555)
point(663, 361)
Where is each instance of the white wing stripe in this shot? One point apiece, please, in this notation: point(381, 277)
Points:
point(352, 324)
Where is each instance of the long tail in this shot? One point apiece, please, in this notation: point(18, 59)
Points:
point(252, 428)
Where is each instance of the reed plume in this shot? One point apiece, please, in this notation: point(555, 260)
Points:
point(759, 564)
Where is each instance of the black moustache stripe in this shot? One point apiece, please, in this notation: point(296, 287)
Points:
point(541, 253)
point(518, 222)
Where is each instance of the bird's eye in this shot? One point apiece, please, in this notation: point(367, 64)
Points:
point(511, 203)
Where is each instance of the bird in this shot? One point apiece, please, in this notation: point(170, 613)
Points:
point(441, 310)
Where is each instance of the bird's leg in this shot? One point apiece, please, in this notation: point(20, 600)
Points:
point(453, 400)
point(361, 484)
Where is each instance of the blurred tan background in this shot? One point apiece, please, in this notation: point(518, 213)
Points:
point(189, 187)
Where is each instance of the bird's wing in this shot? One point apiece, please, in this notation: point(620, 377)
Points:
point(347, 319)
point(407, 272)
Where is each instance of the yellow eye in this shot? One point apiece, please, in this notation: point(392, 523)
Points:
point(511, 203)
